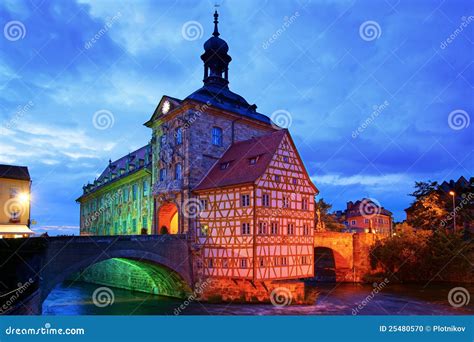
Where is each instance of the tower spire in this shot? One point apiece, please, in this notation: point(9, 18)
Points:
point(216, 21)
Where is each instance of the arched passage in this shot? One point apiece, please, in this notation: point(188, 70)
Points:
point(135, 275)
point(330, 266)
point(168, 219)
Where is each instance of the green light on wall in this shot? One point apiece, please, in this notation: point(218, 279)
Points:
point(136, 276)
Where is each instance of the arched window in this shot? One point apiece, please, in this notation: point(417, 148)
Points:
point(178, 136)
point(178, 172)
point(217, 136)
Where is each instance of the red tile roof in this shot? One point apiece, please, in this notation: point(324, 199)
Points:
point(238, 155)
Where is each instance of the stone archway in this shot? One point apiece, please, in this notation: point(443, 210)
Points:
point(168, 219)
point(331, 266)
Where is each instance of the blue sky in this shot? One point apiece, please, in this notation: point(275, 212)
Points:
point(311, 59)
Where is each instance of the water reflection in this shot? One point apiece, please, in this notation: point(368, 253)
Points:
point(334, 299)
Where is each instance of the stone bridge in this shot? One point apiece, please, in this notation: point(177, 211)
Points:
point(342, 257)
point(31, 268)
point(50, 261)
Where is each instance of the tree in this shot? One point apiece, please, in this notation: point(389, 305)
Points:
point(324, 219)
point(429, 209)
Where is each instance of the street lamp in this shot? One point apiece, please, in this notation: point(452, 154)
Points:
point(453, 194)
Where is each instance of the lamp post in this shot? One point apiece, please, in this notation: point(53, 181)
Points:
point(453, 194)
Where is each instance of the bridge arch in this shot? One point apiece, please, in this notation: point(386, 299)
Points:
point(334, 257)
point(51, 280)
point(168, 218)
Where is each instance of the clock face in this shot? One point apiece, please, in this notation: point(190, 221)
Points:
point(166, 107)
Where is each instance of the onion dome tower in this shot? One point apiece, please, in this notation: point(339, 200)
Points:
point(215, 58)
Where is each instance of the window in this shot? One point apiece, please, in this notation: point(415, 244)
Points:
point(266, 200)
point(274, 228)
point(277, 178)
point(253, 160)
point(283, 261)
point(14, 192)
point(217, 136)
point(225, 263)
point(304, 204)
point(178, 169)
point(116, 228)
point(285, 159)
point(243, 263)
point(366, 220)
point(145, 222)
point(178, 136)
point(162, 175)
point(353, 222)
point(125, 195)
point(203, 230)
point(305, 229)
point(262, 262)
point(245, 200)
point(210, 263)
point(262, 228)
point(286, 202)
point(291, 229)
point(145, 188)
point(225, 165)
point(134, 191)
point(203, 204)
point(245, 228)
point(163, 140)
point(295, 181)
point(134, 225)
point(304, 260)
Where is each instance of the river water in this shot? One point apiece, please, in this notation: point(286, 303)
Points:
point(334, 299)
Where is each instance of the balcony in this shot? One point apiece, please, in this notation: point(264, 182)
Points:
point(168, 186)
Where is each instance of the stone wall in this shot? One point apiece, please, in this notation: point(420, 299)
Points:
point(279, 293)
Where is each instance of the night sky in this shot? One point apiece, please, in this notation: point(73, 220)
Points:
point(377, 94)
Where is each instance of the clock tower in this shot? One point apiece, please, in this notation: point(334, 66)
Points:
point(190, 135)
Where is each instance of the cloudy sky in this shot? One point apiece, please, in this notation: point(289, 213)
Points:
point(377, 94)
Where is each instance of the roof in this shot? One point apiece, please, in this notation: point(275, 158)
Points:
point(356, 209)
point(15, 229)
point(221, 97)
point(114, 167)
point(239, 169)
point(14, 172)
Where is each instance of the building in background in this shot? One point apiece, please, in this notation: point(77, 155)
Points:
point(15, 195)
point(365, 216)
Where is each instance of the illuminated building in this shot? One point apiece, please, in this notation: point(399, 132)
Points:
point(15, 190)
point(224, 174)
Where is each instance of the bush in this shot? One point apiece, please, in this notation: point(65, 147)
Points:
point(423, 256)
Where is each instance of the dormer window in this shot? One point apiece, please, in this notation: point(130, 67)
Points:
point(225, 165)
point(178, 134)
point(253, 160)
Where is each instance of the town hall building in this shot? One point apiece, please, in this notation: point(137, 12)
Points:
point(219, 171)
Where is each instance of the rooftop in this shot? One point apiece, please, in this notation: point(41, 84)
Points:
point(14, 172)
